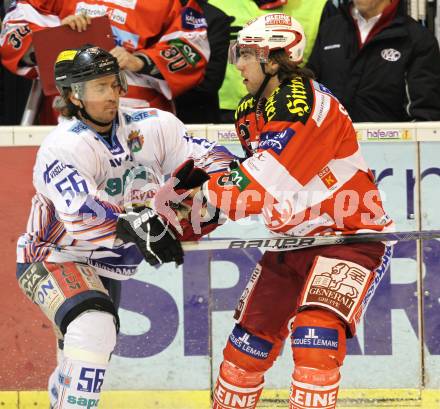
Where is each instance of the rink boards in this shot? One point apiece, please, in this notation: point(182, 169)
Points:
point(175, 322)
point(271, 399)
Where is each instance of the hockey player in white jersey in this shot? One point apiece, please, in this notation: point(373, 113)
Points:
point(83, 236)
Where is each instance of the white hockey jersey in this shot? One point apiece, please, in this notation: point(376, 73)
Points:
point(83, 183)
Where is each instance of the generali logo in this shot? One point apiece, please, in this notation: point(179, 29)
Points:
point(339, 285)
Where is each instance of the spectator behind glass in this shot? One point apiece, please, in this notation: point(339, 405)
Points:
point(162, 48)
point(308, 12)
point(13, 90)
point(201, 104)
point(381, 64)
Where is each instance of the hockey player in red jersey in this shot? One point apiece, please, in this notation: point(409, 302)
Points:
point(305, 174)
point(162, 46)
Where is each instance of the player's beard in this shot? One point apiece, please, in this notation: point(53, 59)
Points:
point(107, 114)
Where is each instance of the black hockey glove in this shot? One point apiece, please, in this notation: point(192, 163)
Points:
point(157, 243)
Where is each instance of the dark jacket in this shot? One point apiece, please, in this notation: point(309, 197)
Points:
point(201, 104)
point(394, 77)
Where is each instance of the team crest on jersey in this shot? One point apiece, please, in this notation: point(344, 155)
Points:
point(135, 141)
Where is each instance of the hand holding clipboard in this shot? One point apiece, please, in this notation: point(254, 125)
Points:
point(50, 42)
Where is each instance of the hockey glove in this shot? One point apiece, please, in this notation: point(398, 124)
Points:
point(194, 218)
point(188, 176)
point(155, 240)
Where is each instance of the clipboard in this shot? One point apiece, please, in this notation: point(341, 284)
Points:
point(48, 43)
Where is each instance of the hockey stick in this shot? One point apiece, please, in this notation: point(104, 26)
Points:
point(283, 243)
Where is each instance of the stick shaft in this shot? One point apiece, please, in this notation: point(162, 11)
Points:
point(284, 243)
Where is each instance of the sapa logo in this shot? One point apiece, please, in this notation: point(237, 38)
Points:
point(83, 402)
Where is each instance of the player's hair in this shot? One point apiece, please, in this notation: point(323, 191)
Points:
point(64, 105)
point(287, 68)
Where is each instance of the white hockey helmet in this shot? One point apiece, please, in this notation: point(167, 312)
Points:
point(269, 32)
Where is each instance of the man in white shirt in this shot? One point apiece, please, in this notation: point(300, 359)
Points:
point(366, 14)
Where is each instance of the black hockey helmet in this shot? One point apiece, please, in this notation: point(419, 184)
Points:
point(79, 65)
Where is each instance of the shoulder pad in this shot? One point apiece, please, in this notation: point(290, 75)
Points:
point(245, 106)
point(292, 101)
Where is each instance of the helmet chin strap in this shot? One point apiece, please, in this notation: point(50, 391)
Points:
point(263, 85)
point(85, 115)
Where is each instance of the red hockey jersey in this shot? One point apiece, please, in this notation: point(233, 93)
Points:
point(304, 171)
point(174, 37)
